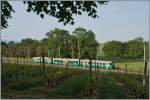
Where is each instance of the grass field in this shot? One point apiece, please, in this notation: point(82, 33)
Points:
point(133, 66)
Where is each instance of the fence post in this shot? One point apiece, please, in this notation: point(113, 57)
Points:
point(144, 76)
point(27, 60)
point(1, 61)
point(90, 76)
point(24, 60)
point(40, 61)
point(130, 68)
point(17, 59)
point(44, 71)
point(126, 67)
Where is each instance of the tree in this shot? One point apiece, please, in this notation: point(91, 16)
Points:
point(130, 49)
point(58, 39)
point(62, 10)
point(113, 49)
point(27, 47)
point(4, 49)
point(135, 48)
point(11, 48)
point(86, 43)
point(6, 10)
point(73, 44)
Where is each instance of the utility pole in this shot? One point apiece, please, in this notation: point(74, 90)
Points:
point(144, 52)
point(145, 68)
point(97, 53)
point(79, 49)
point(79, 52)
point(72, 53)
point(48, 53)
point(59, 51)
point(11, 55)
point(28, 54)
point(72, 50)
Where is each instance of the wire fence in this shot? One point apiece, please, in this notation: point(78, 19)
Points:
point(117, 68)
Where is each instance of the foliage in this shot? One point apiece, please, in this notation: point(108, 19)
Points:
point(61, 43)
point(62, 10)
point(132, 82)
point(86, 42)
point(24, 81)
point(110, 89)
point(131, 49)
point(113, 49)
point(6, 10)
point(72, 87)
point(58, 41)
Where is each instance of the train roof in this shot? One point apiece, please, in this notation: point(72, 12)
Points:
point(74, 59)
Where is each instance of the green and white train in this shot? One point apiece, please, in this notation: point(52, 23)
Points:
point(75, 62)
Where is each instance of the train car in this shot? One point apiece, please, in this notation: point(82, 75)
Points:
point(39, 59)
point(85, 62)
point(60, 61)
point(98, 64)
point(104, 64)
point(36, 59)
point(75, 62)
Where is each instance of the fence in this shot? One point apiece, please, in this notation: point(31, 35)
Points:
point(124, 69)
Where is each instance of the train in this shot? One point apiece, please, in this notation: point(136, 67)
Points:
point(76, 62)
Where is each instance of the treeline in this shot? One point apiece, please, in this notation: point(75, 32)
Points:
point(133, 49)
point(81, 43)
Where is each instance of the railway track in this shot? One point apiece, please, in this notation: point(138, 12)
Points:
point(30, 62)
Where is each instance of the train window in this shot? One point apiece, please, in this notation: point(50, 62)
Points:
point(100, 63)
point(88, 62)
point(103, 63)
point(110, 63)
point(76, 61)
point(81, 61)
point(97, 63)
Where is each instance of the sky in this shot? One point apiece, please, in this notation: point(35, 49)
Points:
point(118, 20)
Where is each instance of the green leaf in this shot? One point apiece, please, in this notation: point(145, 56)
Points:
point(42, 15)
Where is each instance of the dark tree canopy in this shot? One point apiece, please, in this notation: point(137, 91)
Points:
point(130, 49)
point(6, 10)
point(62, 10)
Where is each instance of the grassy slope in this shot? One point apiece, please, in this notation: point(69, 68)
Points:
point(134, 66)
